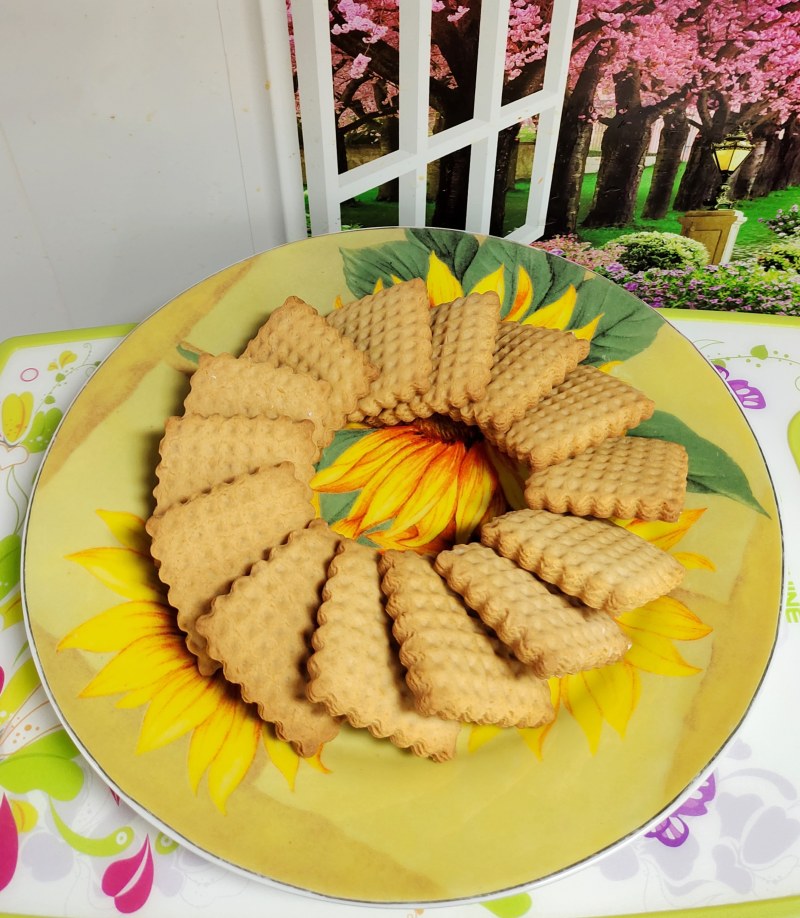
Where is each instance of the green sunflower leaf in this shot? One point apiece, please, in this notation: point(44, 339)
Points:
point(363, 268)
point(627, 327)
point(711, 469)
point(456, 250)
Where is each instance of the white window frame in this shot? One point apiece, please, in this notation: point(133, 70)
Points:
point(327, 188)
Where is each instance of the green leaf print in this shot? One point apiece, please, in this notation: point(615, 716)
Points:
point(46, 765)
point(42, 429)
point(711, 469)
point(510, 906)
point(10, 553)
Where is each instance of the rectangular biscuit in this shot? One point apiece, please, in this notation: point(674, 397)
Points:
point(456, 669)
point(588, 407)
point(528, 362)
point(295, 335)
point(200, 547)
point(392, 328)
point(601, 564)
point(624, 477)
point(261, 633)
point(547, 630)
point(463, 336)
point(198, 452)
point(228, 385)
point(355, 670)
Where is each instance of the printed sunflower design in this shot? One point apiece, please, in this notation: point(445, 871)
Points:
point(151, 667)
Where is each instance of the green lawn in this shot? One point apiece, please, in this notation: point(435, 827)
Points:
point(367, 211)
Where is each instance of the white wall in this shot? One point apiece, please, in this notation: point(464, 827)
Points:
point(136, 155)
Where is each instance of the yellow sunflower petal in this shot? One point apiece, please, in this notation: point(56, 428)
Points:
point(16, 414)
point(610, 366)
point(581, 704)
point(556, 314)
point(655, 654)
point(127, 528)
point(693, 562)
point(495, 283)
point(667, 617)
point(315, 762)
point(443, 285)
point(664, 535)
point(481, 734)
point(118, 626)
point(282, 756)
point(207, 739)
point(616, 690)
point(359, 462)
point(126, 572)
point(522, 298)
point(434, 498)
point(587, 332)
point(511, 475)
point(534, 737)
point(235, 756)
point(141, 663)
point(389, 490)
point(135, 698)
point(477, 483)
point(179, 707)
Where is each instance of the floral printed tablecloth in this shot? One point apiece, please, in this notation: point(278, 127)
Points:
point(69, 846)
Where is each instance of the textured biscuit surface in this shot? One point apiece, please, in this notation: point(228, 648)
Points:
point(624, 477)
point(544, 629)
point(463, 336)
point(355, 670)
point(456, 669)
point(200, 452)
point(588, 407)
point(261, 632)
point(295, 335)
point(392, 328)
point(228, 385)
point(528, 362)
point(602, 564)
point(203, 545)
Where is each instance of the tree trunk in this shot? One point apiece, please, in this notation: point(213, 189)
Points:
point(622, 154)
point(506, 157)
point(572, 149)
point(450, 207)
point(742, 185)
point(701, 181)
point(673, 138)
point(789, 172)
point(770, 165)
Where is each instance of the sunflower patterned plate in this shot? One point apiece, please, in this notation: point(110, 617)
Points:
point(364, 821)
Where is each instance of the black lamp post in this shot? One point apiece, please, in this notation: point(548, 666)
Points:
point(729, 154)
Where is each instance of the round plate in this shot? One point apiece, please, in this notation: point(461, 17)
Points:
point(366, 821)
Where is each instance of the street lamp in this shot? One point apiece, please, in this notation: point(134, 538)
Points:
point(729, 154)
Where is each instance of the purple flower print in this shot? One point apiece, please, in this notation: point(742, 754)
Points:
point(748, 396)
point(673, 831)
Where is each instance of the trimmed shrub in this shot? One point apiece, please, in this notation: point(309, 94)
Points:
point(782, 256)
point(643, 251)
point(582, 253)
point(735, 287)
point(785, 223)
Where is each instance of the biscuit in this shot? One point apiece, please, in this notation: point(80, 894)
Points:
point(588, 407)
point(392, 328)
point(456, 669)
point(602, 564)
point(261, 632)
point(528, 362)
point(227, 385)
point(297, 336)
point(463, 336)
point(625, 477)
point(355, 670)
point(201, 546)
point(547, 630)
point(197, 453)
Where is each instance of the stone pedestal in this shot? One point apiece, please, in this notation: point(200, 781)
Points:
point(716, 229)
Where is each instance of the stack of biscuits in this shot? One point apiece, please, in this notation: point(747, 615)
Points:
point(316, 629)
